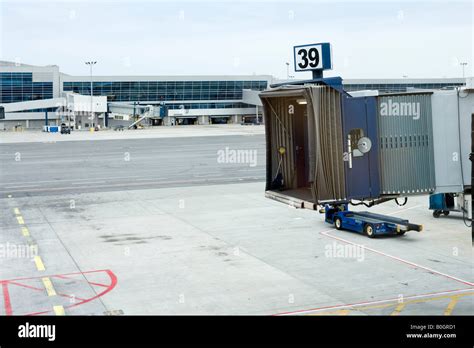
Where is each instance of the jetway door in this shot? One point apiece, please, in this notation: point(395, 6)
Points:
point(361, 147)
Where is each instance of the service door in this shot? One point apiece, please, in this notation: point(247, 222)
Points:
point(300, 141)
point(361, 147)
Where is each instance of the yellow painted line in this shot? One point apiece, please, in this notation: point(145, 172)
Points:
point(398, 309)
point(39, 263)
point(16, 211)
point(422, 300)
point(59, 310)
point(20, 220)
point(375, 306)
point(49, 287)
point(451, 305)
point(338, 312)
point(25, 232)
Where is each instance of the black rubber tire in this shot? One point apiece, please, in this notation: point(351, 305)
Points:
point(369, 231)
point(446, 212)
point(336, 222)
point(436, 213)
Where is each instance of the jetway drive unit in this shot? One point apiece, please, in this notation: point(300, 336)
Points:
point(325, 146)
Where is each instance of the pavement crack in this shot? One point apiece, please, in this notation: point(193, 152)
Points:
point(72, 258)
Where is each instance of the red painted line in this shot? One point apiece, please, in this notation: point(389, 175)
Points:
point(55, 275)
point(6, 299)
point(325, 233)
point(113, 283)
point(26, 286)
point(92, 283)
point(110, 287)
point(356, 304)
point(37, 313)
point(71, 296)
point(98, 284)
point(41, 289)
point(61, 276)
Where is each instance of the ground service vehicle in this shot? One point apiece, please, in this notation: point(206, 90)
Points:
point(370, 224)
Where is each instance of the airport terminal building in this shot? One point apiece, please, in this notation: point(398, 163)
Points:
point(33, 96)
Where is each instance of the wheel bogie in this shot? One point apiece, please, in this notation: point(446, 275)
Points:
point(369, 231)
point(338, 223)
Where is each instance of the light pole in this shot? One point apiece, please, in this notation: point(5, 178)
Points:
point(91, 64)
point(288, 71)
point(463, 64)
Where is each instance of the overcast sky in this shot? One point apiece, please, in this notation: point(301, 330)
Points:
point(369, 39)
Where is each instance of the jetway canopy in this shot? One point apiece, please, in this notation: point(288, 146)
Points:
point(34, 105)
point(251, 97)
point(82, 103)
point(71, 101)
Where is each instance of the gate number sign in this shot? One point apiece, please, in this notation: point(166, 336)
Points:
point(312, 57)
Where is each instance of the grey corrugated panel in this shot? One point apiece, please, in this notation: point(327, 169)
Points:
point(466, 114)
point(451, 135)
point(406, 149)
point(430, 144)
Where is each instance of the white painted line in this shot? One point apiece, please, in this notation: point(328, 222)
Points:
point(151, 179)
point(400, 259)
point(448, 292)
point(402, 210)
point(88, 182)
point(20, 186)
point(208, 175)
point(78, 179)
point(156, 181)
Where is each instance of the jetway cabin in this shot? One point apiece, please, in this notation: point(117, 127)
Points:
point(323, 145)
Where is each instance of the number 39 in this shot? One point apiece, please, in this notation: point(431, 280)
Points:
point(310, 58)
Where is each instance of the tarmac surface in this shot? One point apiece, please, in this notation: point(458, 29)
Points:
point(110, 165)
point(177, 230)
